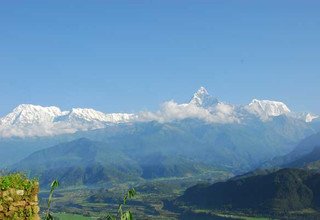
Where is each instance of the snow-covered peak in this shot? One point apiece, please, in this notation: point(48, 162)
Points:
point(266, 108)
point(203, 99)
point(37, 108)
point(34, 120)
point(307, 117)
point(87, 114)
point(310, 117)
point(30, 114)
point(91, 115)
point(201, 91)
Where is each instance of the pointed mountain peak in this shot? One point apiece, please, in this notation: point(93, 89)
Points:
point(201, 91)
point(203, 99)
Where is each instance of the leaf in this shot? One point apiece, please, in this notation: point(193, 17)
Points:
point(120, 208)
point(49, 217)
point(125, 199)
point(131, 193)
point(54, 184)
point(127, 216)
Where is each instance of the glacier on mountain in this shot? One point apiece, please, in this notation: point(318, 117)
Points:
point(28, 120)
point(265, 109)
point(33, 120)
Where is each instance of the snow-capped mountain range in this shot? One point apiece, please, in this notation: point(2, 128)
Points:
point(32, 120)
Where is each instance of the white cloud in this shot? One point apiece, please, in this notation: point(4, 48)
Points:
point(29, 121)
point(221, 113)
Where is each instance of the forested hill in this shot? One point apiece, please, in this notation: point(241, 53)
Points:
point(278, 193)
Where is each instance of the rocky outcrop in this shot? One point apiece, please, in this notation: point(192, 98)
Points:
point(19, 203)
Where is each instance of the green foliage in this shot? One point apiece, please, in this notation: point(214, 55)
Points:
point(123, 214)
point(53, 186)
point(17, 181)
point(276, 193)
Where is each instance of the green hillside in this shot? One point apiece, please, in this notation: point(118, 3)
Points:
point(280, 193)
point(85, 162)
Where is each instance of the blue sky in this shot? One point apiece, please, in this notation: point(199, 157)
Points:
point(127, 56)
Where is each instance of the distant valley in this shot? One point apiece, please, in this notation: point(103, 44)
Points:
point(217, 152)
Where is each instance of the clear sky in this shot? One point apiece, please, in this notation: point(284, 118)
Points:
point(127, 56)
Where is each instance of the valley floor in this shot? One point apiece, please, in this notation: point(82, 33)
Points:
point(91, 203)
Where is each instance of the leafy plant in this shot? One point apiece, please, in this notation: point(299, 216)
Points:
point(54, 185)
point(17, 181)
point(123, 214)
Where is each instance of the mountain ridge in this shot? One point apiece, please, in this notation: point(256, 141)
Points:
point(282, 194)
point(87, 162)
point(28, 120)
